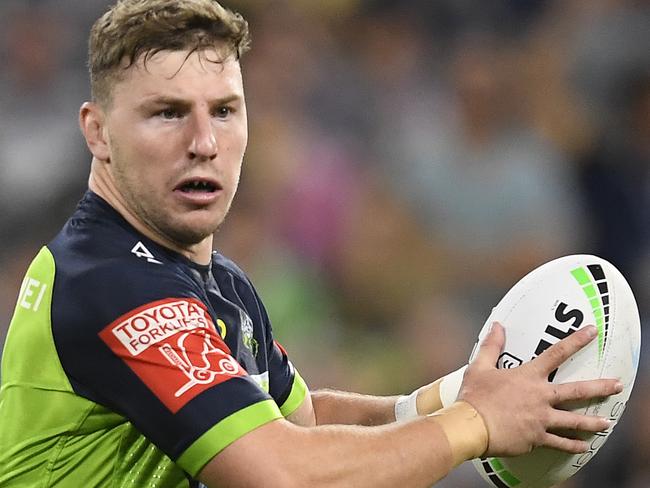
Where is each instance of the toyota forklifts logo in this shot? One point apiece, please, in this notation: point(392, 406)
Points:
point(174, 348)
point(212, 361)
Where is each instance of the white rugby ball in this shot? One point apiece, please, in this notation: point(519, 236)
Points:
point(546, 305)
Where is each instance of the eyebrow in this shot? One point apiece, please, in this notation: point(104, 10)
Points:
point(169, 100)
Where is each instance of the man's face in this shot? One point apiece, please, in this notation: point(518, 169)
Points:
point(177, 132)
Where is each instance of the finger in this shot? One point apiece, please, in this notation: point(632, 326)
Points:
point(563, 420)
point(555, 355)
point(491, 347)
point(572, 446)
point(585, 390)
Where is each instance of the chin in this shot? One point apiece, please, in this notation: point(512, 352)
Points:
point(189, 228)
point(191, 236)
point(192, 233)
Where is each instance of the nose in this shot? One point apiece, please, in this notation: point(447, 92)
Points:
point(203, 145)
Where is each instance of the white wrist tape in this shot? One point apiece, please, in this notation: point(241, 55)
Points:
point(450, 386)
point(406, 407)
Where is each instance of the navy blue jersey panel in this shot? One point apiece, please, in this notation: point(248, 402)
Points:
point(112, 283)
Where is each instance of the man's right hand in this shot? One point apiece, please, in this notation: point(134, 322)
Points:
point(519, 406)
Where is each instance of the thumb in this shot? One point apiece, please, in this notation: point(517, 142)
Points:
point(491, 347)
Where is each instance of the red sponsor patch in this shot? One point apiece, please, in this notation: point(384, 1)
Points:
point(174, 348)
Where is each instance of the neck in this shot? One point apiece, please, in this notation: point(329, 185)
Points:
point(200, 253)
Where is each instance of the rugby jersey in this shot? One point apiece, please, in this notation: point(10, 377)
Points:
point(127, 364)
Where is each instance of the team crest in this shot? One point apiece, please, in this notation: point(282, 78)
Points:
point(246, 325)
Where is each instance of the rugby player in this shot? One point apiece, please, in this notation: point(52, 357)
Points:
point(139, 357)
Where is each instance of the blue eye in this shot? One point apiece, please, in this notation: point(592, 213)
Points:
point(169, 114)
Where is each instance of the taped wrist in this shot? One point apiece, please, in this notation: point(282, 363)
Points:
point(441, 393)
point(406, 407)
point(465, 430)
point(450, 386)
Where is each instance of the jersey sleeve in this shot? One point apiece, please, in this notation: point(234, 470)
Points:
point(144, 345)
point(286, 386)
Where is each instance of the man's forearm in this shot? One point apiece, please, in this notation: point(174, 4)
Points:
point(415, 453)
point(343, 408)
point(336, 407)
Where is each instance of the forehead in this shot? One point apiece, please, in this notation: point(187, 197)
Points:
point(186, 74)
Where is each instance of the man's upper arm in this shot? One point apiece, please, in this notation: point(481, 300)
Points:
point(153, 354)
point(304, 415)
point(255, 459)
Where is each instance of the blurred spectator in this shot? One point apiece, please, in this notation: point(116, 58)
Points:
point(40, 144)
point(609, 40)
point(615, 178)
point(491, 193)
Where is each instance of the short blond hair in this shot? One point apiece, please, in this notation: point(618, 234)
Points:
point(134, 28)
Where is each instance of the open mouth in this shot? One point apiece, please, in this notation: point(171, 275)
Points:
point(198, 186)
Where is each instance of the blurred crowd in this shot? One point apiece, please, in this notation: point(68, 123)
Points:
point(409, 161)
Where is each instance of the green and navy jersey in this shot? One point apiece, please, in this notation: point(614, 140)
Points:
point(126, 364)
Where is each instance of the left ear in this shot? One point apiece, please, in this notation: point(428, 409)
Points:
point(92, 121)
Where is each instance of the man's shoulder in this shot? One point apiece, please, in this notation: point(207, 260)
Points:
point(104, 256)
point(105, 266)
point(96, 234)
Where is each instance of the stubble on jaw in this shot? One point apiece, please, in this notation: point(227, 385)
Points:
point(151, 211)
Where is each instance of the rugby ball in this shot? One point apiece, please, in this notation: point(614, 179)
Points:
point(545, 306)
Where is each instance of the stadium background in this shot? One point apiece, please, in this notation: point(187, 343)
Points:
point(408, 162)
